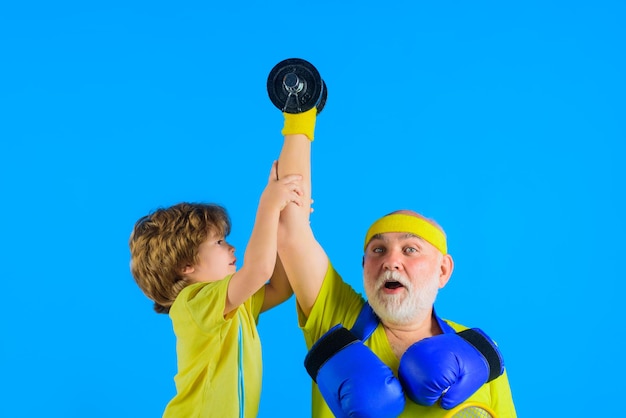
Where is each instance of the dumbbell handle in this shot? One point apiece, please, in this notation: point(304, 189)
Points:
point(292, 83)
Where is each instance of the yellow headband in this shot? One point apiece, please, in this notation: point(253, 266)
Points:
point(409, 224)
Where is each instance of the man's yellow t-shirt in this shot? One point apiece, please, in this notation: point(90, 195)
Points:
point(338, 303)
point(219, 357)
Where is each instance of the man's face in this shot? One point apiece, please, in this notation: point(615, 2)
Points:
point(402, 274)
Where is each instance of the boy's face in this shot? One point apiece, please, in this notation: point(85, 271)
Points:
point(216, 260)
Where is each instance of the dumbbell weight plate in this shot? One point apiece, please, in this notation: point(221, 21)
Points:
point(295, 86)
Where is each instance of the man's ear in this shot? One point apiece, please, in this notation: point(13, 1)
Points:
point(447, 266)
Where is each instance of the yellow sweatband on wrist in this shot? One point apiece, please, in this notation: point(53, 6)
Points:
point(411, 225)
point(300, 123)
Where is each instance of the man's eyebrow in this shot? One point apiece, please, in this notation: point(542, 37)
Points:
point(377, 236)
point(408, 235)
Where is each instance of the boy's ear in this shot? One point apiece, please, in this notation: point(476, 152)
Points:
point(187, 270)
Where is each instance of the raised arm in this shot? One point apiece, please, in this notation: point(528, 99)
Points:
point(303, 257)
point(278, 289)
point(260, 257)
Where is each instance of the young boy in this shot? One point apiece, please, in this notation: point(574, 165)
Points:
point(181, 261)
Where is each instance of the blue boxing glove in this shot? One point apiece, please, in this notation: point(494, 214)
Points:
point(450, 367)
point(352, 379)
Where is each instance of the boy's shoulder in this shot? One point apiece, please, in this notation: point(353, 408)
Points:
point(203, 290)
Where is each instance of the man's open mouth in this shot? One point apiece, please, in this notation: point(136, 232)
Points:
point(393, 285)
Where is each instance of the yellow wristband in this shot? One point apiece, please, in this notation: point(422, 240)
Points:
point(300, 123)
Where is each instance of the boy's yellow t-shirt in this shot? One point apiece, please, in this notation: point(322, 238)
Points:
point(219, 358)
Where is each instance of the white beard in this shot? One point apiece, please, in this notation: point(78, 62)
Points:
point(407, 307)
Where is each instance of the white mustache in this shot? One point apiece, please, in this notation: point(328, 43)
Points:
point(393, 276)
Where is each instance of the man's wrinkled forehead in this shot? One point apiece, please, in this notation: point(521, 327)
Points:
point(384, 236)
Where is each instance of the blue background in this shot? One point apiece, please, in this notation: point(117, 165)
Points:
point(505, 122)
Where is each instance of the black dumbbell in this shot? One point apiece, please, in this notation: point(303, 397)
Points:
point(295, 86)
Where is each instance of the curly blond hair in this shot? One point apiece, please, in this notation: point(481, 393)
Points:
point(165, 241)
